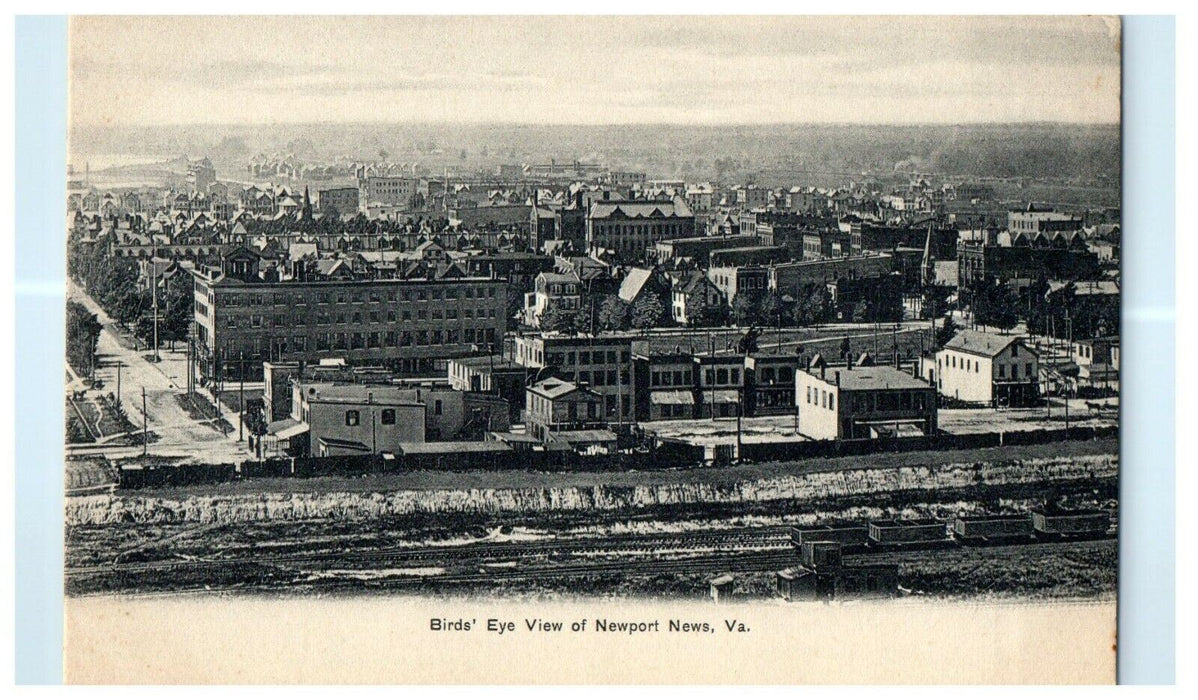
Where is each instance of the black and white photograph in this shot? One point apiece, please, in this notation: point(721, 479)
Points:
point(791, 312)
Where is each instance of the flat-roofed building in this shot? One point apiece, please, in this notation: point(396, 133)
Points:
point(408, 325)
point(849, 402)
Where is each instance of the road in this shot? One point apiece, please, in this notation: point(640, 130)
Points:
point(179, 435)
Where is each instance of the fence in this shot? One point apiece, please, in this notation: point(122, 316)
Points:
point(666, 454)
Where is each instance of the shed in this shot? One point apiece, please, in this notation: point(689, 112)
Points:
point(721, 587)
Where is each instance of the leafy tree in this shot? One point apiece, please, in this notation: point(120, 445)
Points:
point(813, 307)
point(994, 305)
point(935, 301)
point(774, 308)
point(515, 301)
point(746, 309)
point(83, 333)
point(615, 314)
point(648, 312)
point(563, 320)
point(179, 300)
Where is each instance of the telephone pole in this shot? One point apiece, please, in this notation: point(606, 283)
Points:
point(145, 430)
point(240, 397)
point(118, 383)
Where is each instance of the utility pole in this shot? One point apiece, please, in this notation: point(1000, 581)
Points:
point(145, 430)
point(154, 299)
point(240, 396)
point(118, 383)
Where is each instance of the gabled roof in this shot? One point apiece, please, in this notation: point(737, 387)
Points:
point(981, 343)
point(638, 209)
point(634, 282)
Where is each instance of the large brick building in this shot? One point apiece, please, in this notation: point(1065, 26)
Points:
point(406, 324)
point(631, 227)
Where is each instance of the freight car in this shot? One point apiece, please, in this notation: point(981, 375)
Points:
point(851, 535)
point(1075, 524)
point(902, 533)
point(988, 529)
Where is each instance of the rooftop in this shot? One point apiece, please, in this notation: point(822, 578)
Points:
point(980, 343)
point(870, 378)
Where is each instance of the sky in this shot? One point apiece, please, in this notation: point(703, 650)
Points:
point(593, 70)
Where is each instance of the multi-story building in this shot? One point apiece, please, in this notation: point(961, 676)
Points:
point(601, 363)
point(719, 385)
point(698, 249)
point(551, 290)
point(386, 191)
point(1033, 220)
point(493, 374)
point(693, 298)
point(731, 281)
point(978, 262)
point(985, 368)
point(851, 402)
point(406, 324)
point(631, 227)
point(344, 200)
point(794, 278)
point(555, 406)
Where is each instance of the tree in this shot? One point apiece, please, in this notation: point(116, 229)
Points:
point(813, 307)
point(774, 308)
point(648, 312)
point(615, 314)
point(746, 310)
point(935, 301)
point(515, 301)
point(83, 333)
point(562, 320)
point(179, 312)
point(945, 332)
point(846, 348)
point(995, 305)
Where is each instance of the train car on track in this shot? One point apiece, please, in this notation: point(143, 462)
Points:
point(989, 529)
point(924, 532)
point(851, 535)
point(1070, 524)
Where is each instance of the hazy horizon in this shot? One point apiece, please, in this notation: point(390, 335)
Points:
point(594, 71)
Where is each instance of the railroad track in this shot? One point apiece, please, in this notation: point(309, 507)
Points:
point(745, 562)
point(622, 544)
point(752, 550)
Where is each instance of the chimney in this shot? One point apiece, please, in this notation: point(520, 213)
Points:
point(823, 371)
point(849, 361)
point(836, 378)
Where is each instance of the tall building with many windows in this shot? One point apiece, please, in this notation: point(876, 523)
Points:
point(406, 324)
point(631, 227)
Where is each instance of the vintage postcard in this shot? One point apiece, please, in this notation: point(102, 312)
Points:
point(636, 349)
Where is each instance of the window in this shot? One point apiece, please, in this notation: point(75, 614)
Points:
point(352, 418)
point(1002, 371)
point(1028, 370)
point(437, 407)
point(388, 417)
